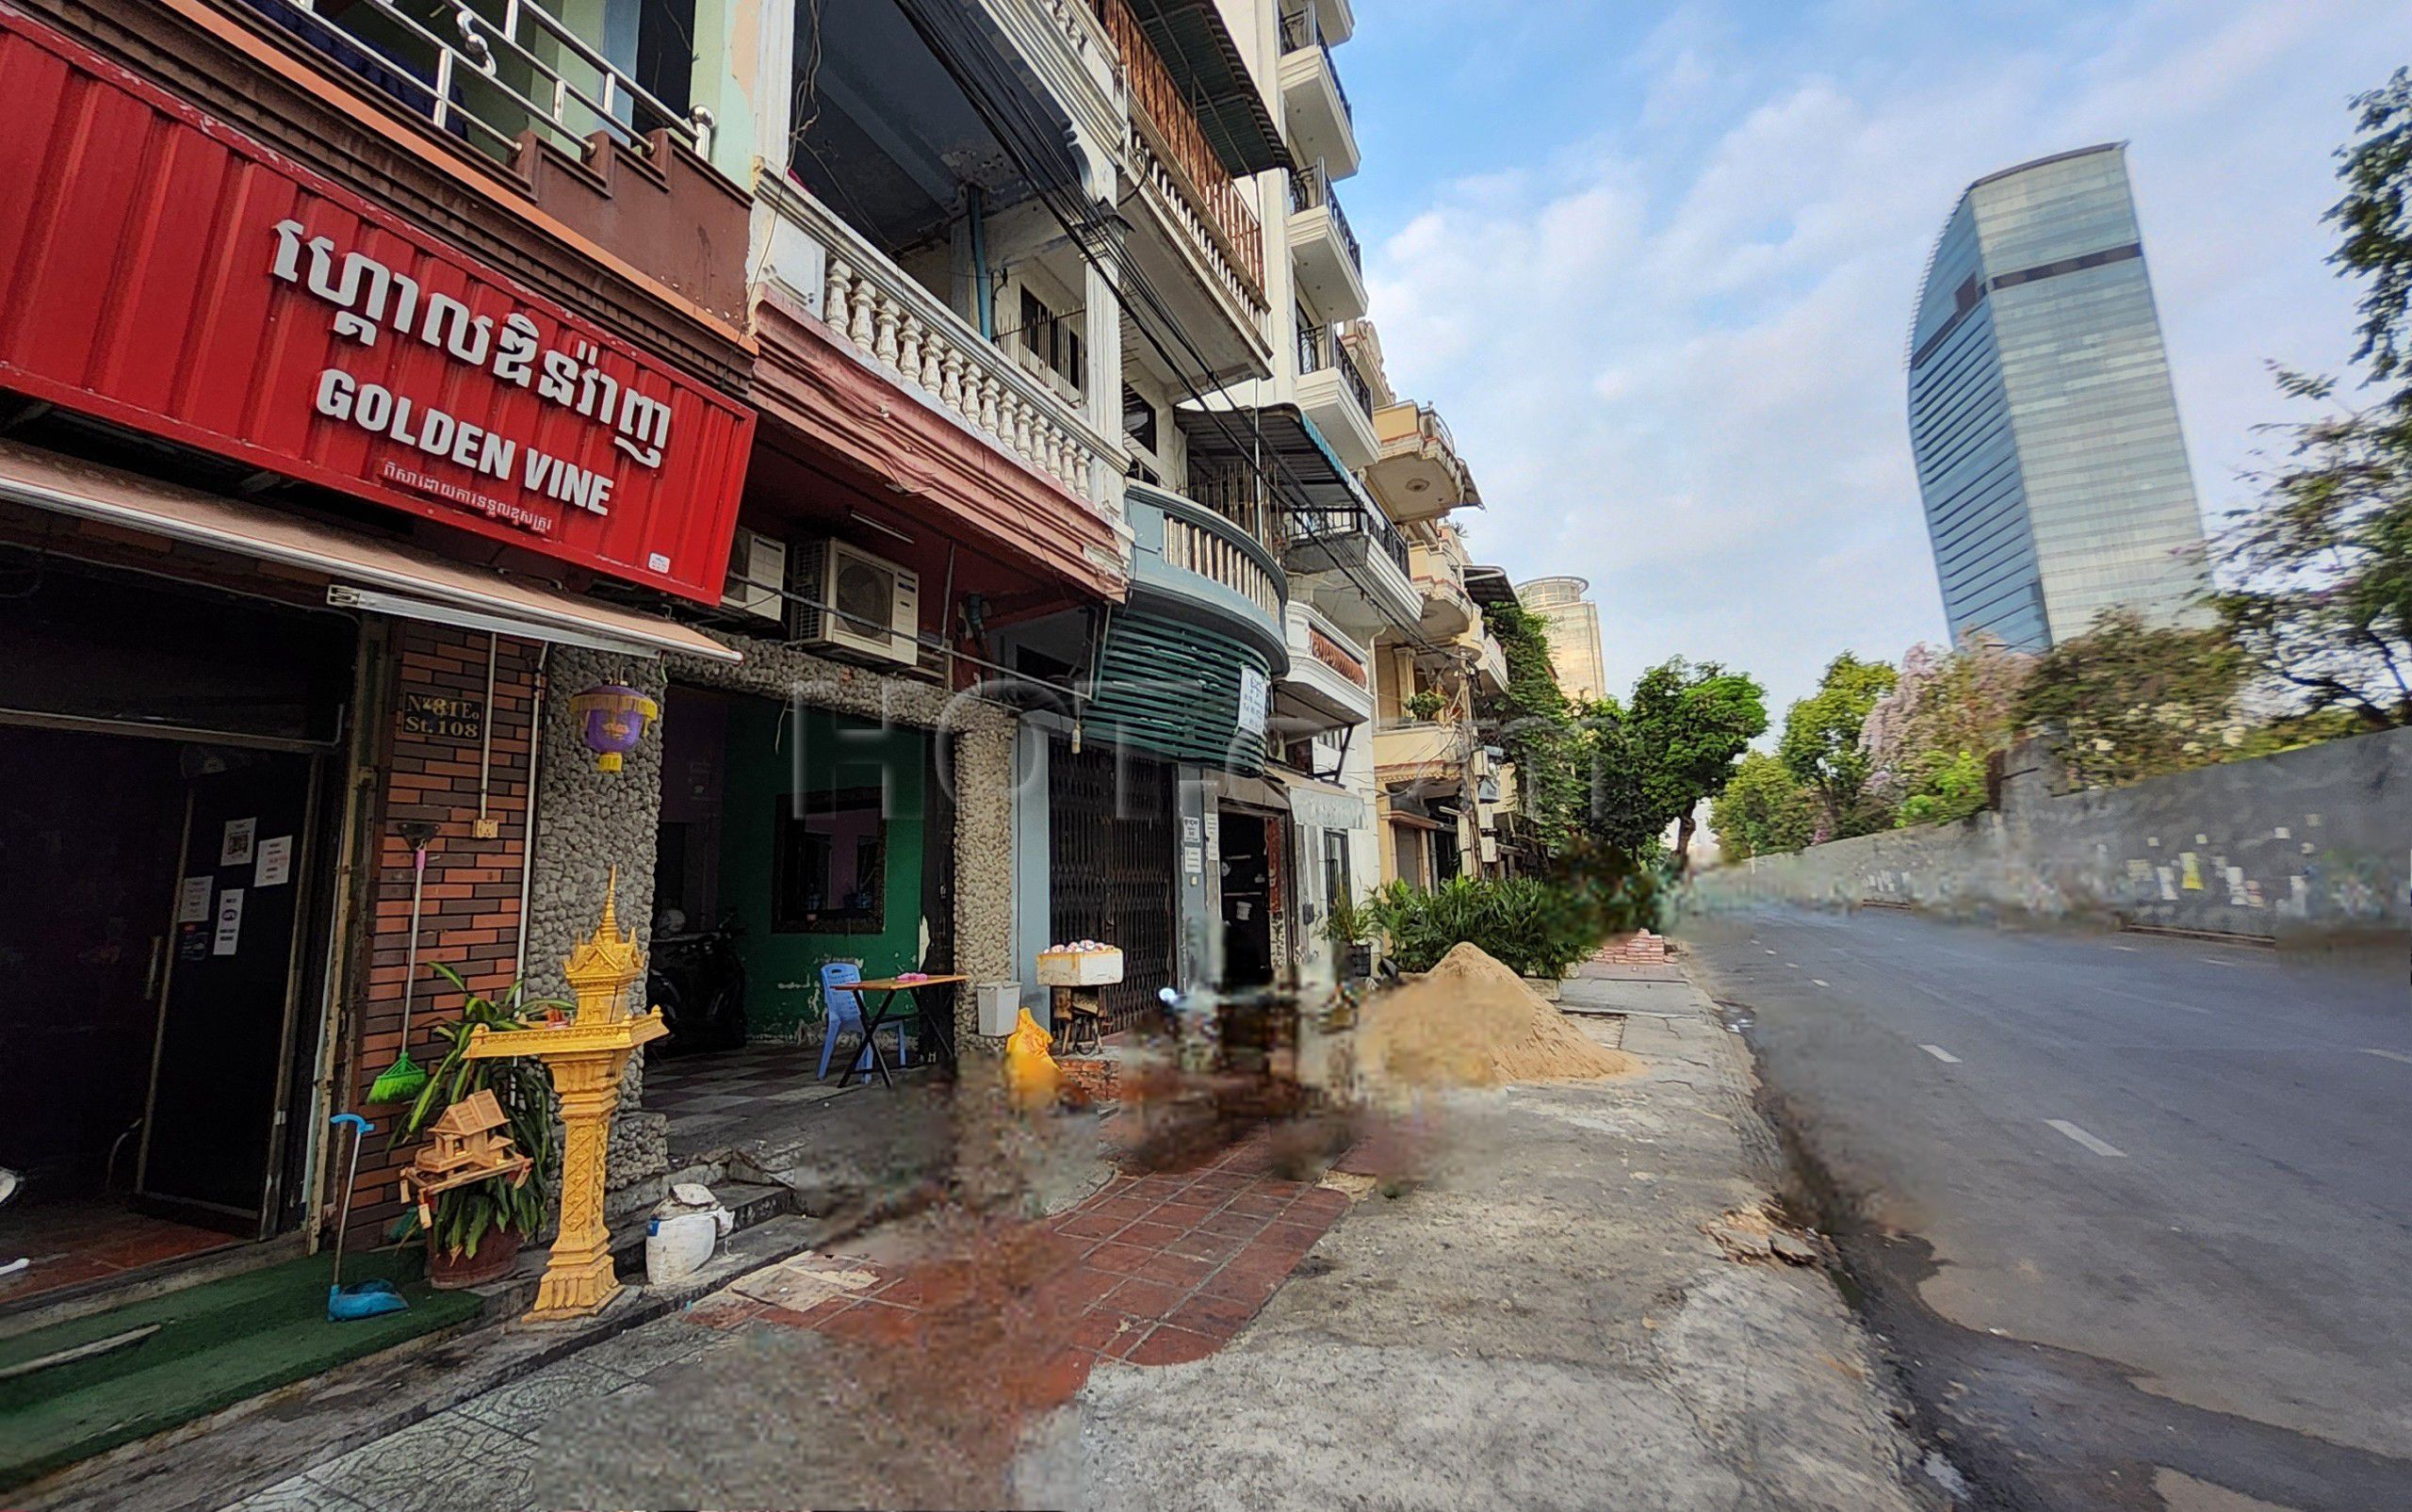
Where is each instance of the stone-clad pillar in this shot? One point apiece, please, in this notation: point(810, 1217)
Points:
point(587, 822)
point(983, 866)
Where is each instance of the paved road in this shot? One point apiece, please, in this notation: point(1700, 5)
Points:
point(2132, 1211)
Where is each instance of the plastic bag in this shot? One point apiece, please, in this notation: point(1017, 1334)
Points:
point(1029, 1070)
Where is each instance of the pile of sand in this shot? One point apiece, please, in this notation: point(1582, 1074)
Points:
point(1471, 1022)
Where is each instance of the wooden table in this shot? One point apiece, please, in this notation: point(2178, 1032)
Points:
point(884, 1012)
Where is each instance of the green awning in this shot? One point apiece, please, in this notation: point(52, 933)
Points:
point(1205, 62)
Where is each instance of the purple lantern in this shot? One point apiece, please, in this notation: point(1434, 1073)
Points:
point(611, 720)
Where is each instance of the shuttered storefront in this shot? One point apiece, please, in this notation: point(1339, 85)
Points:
point(1111, 864)
point(1181, 692)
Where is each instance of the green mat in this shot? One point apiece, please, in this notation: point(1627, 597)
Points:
point(218, 1343)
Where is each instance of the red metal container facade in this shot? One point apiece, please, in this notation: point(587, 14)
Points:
point(164, 272)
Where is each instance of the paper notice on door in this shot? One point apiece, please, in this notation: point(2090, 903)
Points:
point(229, 934)
point(235, 846)
point(275, 867)
point(192, 902)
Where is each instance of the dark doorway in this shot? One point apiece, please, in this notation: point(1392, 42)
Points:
point(1247, 898)
point(148, 1002)
point(228, 988)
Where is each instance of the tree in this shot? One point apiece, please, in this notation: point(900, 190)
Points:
point(1690, 725)
point(1620, 814)
point(2319, 573)
point(1536, 727)
point(2134, 701)
point(1821, 743)
point(1764, 811)
point(2376, 218)
point(1926, 740)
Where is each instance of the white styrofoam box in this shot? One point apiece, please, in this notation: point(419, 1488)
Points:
point(1080, 968)
point(1000, 1007)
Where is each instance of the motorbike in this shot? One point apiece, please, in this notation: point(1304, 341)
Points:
point(698, 980)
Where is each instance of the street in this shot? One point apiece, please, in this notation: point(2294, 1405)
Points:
point(2128, 1210)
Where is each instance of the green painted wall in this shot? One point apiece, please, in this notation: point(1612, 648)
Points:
point(782, 970)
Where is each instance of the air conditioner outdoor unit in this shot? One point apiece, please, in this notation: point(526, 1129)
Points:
point(758, 573)
point(855, 602)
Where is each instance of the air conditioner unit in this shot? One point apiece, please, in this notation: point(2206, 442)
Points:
point(855, 602)
point(758, 573)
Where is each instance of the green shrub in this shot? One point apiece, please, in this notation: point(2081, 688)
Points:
point(1535, 928)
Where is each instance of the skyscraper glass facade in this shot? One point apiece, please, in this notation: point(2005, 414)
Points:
point(2041, 412)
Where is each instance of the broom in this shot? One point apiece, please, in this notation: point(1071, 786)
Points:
point(403, 1079)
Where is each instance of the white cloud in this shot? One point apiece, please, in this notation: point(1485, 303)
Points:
point(1672, 353)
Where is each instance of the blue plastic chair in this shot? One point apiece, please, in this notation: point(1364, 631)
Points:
point(845, 1008)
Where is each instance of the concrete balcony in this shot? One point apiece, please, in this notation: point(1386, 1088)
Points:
point(1194, 235)
point(1330, 265)
point(1330, 682)
point(1335, 19)
point(1312, 101)
point(1422, 756)
point(1335, 397)
point(514, 102)
point(1417, 474)
point(1448, 611)
point(1353, 565)
point(1490, 661)
point(1191, 564)
point(922, 347)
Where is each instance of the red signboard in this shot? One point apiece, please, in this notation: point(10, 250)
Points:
point(161, 271)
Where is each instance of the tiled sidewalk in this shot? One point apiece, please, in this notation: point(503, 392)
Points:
point(1155, 1270)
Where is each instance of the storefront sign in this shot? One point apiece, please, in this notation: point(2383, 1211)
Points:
point(180, 278)
point(442, 716)
point(1256, 695)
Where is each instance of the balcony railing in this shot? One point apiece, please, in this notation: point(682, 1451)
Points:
point(1301, 31)
point(1168, 147)
point(1351, 519)
point(1310, 187)
point(901, 327)
point(1237, 493)
point(1209, 545)
point(1320, 346)
point(493, 69)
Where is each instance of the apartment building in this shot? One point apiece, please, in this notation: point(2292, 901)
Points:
point(887, 486)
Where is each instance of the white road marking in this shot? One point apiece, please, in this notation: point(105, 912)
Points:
point(1941, 1054)
point(2129, 948)
point(2392, 1055)
point(1795, 964)
point(2216, 960)
point(1770, 953)
point(2102, 1147)
point(1821, 982)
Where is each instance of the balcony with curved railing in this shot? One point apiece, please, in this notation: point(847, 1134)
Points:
point(1195, 563)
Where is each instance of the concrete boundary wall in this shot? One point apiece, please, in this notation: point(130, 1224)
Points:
point(2313, 841)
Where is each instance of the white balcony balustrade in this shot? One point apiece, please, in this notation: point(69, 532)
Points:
point(910, 336)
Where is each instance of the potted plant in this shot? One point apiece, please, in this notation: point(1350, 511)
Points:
point(1427, 705)
point(1349, 930)
point(477, 1229)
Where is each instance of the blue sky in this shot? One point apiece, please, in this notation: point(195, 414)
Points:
point(1654, 263)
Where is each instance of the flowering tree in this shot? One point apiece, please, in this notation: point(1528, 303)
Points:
point(2132, 701)
point(1927, 739)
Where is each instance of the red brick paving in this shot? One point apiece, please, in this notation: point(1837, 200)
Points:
point(1157, 1270)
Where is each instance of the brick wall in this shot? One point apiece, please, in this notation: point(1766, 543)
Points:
point(469, 908)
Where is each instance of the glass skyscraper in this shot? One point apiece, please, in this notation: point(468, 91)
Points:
point(2041, 412)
